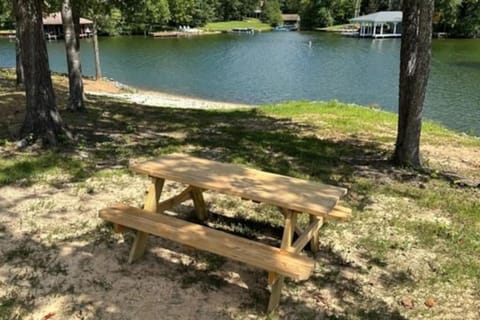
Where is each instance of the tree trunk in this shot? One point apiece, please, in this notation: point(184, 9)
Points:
point(18, 60)
point(75, 82)
point(414, 70)
point(42, 120)
point(18, 52)
point(358, 5)
point(96, 52)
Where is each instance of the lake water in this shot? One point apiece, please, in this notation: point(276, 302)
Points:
point(278, 66)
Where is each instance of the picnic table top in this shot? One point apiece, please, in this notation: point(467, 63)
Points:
point(286, 192)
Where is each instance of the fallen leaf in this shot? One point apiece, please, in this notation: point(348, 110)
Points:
point(407, 302)
point(429, 302)
point(49, 315)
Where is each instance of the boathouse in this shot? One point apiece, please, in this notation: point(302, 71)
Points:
point(291, 21)
point(383, 24)
point(53, 26)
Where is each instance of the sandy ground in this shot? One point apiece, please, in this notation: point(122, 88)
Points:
point(114, 89)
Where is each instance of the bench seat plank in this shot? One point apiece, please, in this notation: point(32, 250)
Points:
point(287, 192)
point(200, 237)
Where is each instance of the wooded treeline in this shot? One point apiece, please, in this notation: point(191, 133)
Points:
point(460, 18)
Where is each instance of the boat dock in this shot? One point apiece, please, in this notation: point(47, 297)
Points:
point(181, 34)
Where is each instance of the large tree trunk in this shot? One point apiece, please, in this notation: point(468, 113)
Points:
point(18, 51)
point(414, 70)
point(75, 101)
point(42, 120)
point(96, 52)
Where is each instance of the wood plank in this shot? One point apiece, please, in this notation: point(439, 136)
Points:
point(288, 232)
point(305, 237)
point(201, 237)
point(296, 194)
point(175, 200)
point(151, 202)
point(314, 242)
point(199, 203)
point(339, 213)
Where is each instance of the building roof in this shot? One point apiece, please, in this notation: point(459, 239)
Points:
point(56, 19)
point(290, 17)
point(381, 16)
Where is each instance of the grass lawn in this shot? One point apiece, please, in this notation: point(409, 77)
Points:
point(229, 25)
point(411, 250)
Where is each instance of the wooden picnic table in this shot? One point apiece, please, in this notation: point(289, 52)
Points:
point(292, 196)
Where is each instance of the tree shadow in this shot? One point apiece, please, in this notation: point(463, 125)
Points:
point(89, 273)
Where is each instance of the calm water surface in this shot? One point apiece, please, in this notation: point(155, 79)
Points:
point(272, 67)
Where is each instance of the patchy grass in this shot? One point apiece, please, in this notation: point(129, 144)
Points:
point(229, 25)
point(30, 169)
point(412, 236)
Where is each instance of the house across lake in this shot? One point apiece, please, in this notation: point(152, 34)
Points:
point(383, 24)
point(53, 26)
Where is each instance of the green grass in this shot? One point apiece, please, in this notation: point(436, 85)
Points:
point(31, 169)
point(229, 25)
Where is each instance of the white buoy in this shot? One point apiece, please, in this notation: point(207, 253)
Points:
point(310, 44)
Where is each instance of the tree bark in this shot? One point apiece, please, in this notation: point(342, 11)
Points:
point(42, 120)
point(18, 51)
point(96, 52)
point(75, 82)
point(415, 58)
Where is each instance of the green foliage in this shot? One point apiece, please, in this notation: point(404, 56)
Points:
point(326, 13)
point(110, 22)
point(468, 19)
point(147, 14)
point(271, 13)
point(6, 20)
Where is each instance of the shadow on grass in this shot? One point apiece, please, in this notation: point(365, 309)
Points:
point(113, 133)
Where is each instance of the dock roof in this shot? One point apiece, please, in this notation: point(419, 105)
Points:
point(291, 17)
point(381, 16)
point(56, 19)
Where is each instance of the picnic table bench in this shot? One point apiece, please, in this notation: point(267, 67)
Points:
point(292, 196)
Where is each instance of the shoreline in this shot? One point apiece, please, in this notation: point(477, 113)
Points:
point(114, 89)
point(168, 100)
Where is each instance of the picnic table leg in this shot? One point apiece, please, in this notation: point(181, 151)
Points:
point(316, 236)
point(199, 203)
point(288, 232)
point(151, 203)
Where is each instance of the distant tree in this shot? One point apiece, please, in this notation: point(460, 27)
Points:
point(181, 11)
point(42, 120)
point(468, 21)
point(145, 14)
point(415, 58)
point(72, 48)
point(327, 12)
point(271, 13)
point(446, 13)
point(290, 6)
